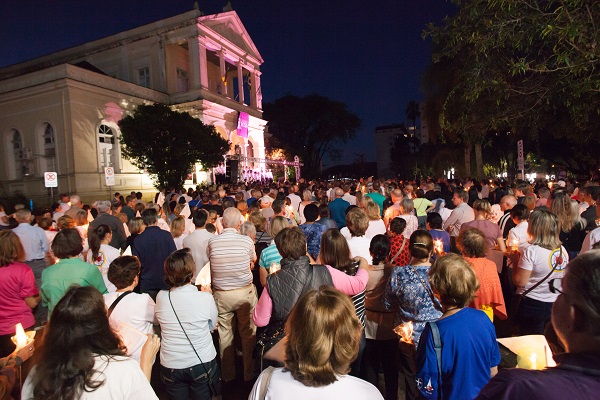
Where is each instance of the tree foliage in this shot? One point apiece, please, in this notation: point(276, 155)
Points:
point(168, 143)
point(525, 66)
point(310, 127)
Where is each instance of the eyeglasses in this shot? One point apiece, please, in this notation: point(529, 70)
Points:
point(555, 286)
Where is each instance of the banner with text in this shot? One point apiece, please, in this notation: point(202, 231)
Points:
point(242, 128)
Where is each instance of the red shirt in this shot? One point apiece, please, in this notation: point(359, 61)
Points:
point(16, 283)
point(396, 244)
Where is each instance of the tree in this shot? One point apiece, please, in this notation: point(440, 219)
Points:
point(168, 143)
point(310, 127)
point(525, 66)
point(413, 113)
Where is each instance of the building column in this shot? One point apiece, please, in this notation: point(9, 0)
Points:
point(223, 71)
point(194, 56)
point(256, 89)
point(203, 63)
point(240, 76)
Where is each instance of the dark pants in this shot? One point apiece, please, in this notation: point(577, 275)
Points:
point(408, 368)
point(356, 364)
point(192, 383)
point(532, 316)
point(40, 312)
point(382, 353)
point(422, 222)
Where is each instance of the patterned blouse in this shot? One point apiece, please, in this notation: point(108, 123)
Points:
point(406, 290)
point(396, 244)
point(313, 234)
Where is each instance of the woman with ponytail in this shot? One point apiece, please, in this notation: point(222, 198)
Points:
point(101, 254)
point(382, 343)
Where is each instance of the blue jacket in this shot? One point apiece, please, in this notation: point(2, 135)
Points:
point(152, 247)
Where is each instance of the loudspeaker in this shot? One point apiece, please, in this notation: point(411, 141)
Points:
point(232, 170)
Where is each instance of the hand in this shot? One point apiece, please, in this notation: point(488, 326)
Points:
point(149, 353)
point(206, 288)
point(362, 262)
point(25, 352)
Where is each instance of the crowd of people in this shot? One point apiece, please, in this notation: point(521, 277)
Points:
point(306, 290)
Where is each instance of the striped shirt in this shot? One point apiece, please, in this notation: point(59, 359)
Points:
point(230, 256)
point(269, 255)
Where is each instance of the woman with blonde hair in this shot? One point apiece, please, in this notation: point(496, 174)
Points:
point(178, 231)
point(270, 255)
point(323, 335)
point(376, 224)
point(571, 225)
point(543, 260)
point(469, 351)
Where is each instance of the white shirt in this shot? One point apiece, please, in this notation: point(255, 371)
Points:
point(590, 240)
point(349, 198)
point(136, 310)
point(283, 386)
point(519, 234)
point(106, 255)
point(197, 242)
point(296, 200)
point(123, 379)
point(359, 246)
point(539, 261)
point(33, 239)
point(376, 227)
point(197, 312)
point(412, 224)
point(179, 241)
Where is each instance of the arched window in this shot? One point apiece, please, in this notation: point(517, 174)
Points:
point(18, 149)
point(49, 148)
point(106, 146)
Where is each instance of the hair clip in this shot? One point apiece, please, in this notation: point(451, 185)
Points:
point(422, 244)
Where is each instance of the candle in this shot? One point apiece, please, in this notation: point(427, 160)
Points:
point(405, 331)
point(533, 360)
point(274, 267)
point(22, 338)
point(513, 245)
point(438, 247)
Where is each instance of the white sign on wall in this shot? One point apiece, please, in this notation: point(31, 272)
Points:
point(51, 179)
point(109, 174)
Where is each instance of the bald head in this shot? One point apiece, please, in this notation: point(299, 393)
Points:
point(339, 192)
point(396, 195)
point(508, 202)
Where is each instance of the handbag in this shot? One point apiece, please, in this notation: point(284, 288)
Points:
point(215, 390)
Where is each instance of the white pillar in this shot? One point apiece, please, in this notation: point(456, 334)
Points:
point(203, 64)
point(222, 70)
point(257, 90)
point(194, 56)
point(240, 76)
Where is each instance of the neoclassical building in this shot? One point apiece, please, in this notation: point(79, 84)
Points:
point(60, 112)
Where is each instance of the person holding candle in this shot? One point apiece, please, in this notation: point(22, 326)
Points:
point(576, 319)
point(483, 210)
point(382, 343)
point(8, 369)
point(81, 357)
point(434, 226)
point(543, 260)
point(469, 351)
point(488, 298)
point(408, 289)
point(270, 255)
point(18, 292)
point(518, 238)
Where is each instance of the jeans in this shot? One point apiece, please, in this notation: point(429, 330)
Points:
point(532, 316)
point(193, 382)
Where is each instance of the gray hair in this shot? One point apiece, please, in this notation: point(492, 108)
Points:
point(103, 206)
point(231, 217)
point(407, 205)
point(248, 229)
point(75, 199)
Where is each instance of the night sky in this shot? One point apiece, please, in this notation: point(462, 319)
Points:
point(367, 54)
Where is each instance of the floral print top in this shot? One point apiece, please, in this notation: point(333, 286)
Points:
point(415, 304)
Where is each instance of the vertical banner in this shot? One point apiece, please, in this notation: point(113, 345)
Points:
point(242, 127)
point(521, 158)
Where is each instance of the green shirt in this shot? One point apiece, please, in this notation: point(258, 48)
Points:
point(57, 278)
point(378, 198)
point(268, 256)
point(421, 206)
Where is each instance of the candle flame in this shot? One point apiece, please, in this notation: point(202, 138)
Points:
point(533, 360)
point(405, 331)
point(438, 246)
point(20, 336)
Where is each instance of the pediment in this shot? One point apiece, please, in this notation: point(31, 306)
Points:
point(229, 26)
